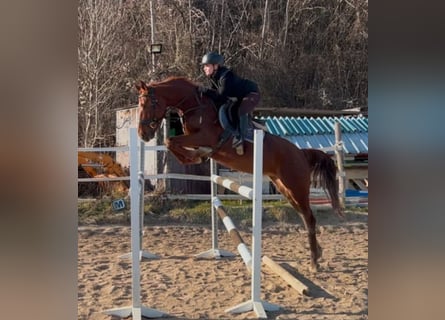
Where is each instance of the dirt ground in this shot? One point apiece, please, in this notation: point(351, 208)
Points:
point(185, 287)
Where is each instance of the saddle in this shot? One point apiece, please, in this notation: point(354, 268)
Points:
point(229, 119)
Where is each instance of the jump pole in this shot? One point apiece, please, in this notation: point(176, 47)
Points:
point(286, 276)
point(255, 303)
point(233, 232)
point(244, 191)
point(136, 310)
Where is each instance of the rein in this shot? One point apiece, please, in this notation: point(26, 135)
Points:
point(154, 123)
point(154, 102)
point(199, 106)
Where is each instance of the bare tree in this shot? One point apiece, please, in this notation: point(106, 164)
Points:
point(310, 53)
point(100, 68)
point(263, 30)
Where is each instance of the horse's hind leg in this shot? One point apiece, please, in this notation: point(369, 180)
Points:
point(310, 221)
point(300, 202)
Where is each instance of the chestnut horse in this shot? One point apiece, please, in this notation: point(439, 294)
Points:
point(289, 168)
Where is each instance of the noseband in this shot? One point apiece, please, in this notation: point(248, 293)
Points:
point(152, 123)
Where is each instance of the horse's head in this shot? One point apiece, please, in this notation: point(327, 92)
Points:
point(151, 111)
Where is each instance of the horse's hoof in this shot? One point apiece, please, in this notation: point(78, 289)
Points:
point(315, 267)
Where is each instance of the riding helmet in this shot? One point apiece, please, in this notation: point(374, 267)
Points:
point(213, 58)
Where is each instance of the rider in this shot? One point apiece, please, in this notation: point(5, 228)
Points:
point(226, 85)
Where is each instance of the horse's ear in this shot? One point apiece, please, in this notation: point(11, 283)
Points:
point(141, 85)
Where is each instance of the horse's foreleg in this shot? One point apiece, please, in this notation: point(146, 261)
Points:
point(184, 156)
point(300, 203)
point(186, 149)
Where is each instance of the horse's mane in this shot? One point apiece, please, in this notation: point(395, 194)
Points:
point(182, 80)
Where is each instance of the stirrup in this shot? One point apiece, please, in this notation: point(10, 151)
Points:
point(236, 142)
point(238, 145)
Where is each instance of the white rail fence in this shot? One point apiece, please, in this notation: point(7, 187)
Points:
point(244, 177)
point(316, 193)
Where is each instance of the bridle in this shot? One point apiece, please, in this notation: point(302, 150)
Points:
point(152, 123)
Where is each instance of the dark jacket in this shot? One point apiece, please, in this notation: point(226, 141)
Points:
point(225, 84)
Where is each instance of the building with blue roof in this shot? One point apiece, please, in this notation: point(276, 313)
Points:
point(319, 133)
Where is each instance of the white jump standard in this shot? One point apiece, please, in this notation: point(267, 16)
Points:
point(136, 310)
point(255, 303)
point(140, 154)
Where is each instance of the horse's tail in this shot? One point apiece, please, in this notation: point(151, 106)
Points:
point(324, 172)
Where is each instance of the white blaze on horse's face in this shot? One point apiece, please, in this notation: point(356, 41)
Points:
point(147, 127)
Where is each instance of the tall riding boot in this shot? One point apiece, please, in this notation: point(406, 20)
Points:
point(243, 123)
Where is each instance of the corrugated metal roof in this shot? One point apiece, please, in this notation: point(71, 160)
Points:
point(319, 133)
